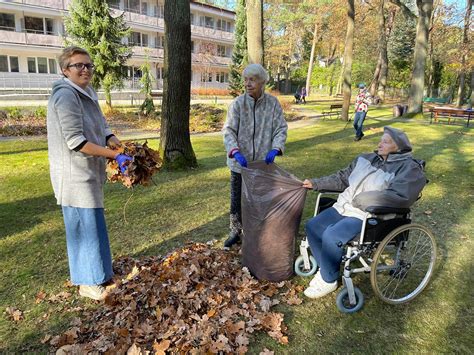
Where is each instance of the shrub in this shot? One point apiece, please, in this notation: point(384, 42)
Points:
point(40, 112)
point(210, 92)
point(206, 118)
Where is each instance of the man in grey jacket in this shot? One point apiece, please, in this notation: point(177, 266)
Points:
point(390, 177)
point(255, 129)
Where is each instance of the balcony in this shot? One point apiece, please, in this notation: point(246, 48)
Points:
point(25, 82)
point(34, 39)
point(141, 19)
point(148, 52)
point(209, 59)
point(52, 4)
point(211, 33)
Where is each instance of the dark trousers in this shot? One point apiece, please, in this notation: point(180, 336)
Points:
point(235, 203)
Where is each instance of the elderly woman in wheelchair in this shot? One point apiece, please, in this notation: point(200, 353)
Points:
point(370, 223)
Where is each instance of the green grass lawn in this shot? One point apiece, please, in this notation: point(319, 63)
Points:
point(193, 205)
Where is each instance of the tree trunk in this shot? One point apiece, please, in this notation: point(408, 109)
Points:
point(471, 91)
point(254, 9)
point(175, 139)
point(311, 58)
point(415, 99)
point(374, 85)
point(387, 28)
point(465, 48)
point(346, 85)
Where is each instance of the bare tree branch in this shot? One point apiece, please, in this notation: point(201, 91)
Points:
point(406, 11)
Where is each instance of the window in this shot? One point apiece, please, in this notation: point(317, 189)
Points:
point(222, 77)
point(42, 65)
point(7, 22)
point(159, 73)
point(159, 11)
point(206, 77)
point(34, 24)
point(39, 65)
point(144, 8)
point(224, 25)
point(4, 60)
point(159, 41)
point(49, 26)
point(207, 21)
point(134, 6)
point(192, 46)
point(31, 65)
point(144, 40)
point(192, 18)
point(14, 66)
point(52, 66)
point(115, 4)
point(135, 39)
point(222, 51)
point(3, 63)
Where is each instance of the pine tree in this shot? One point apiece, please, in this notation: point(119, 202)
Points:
point(91, 26)
point(146, 80)
point(239, 55)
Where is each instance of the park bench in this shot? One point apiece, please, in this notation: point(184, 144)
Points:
point(334, 109)
point(451, 113)
point(437, 100)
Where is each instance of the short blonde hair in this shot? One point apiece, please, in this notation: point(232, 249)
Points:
point(67, 53)
point(257, 71)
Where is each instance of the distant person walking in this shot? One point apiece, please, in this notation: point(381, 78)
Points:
point(77, 139)
point(362, 103)
point(303, 94)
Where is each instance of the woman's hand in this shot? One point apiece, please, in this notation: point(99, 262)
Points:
point(307, 184)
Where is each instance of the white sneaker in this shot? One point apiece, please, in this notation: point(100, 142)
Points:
point(316, 280)
point(320, 290)
point(96, 292)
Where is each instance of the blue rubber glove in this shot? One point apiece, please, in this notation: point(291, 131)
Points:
point(240, 159)
point(121, 160)
point(270, 158)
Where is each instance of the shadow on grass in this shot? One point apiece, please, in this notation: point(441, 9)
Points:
point(19, 216)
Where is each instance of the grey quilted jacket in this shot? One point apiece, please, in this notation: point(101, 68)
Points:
point(371, 181)
point(254, 128)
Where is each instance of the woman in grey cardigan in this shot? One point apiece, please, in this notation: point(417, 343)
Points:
point(255, 130)
point(77, 138)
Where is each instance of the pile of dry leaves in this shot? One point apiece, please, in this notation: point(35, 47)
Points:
point(146, 162)
point(196, 300)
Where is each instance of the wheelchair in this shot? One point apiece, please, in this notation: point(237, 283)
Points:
point(399, 255)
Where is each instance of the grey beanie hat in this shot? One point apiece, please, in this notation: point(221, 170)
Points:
point(400, 139)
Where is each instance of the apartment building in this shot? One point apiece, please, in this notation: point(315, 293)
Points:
point(32, 32)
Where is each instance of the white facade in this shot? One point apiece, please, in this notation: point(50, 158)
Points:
point(32, 32)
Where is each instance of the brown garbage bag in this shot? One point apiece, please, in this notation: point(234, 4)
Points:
point(272, 204)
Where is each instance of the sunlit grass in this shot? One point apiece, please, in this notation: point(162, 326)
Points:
point(193, 205)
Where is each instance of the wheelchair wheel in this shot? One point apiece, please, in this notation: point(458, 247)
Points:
point(403, 263)
point(301, 270)
point(342, 301)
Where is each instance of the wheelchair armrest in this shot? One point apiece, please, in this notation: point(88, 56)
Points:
point(330, 191)
point(386, 210)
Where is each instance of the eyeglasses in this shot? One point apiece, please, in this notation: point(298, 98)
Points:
point(81, 66)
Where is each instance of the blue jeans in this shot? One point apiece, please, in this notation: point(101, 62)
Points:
point(359, 118)
point(88, 249)
point(327, 233)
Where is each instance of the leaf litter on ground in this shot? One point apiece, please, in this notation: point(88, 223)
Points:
point(198, 299)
